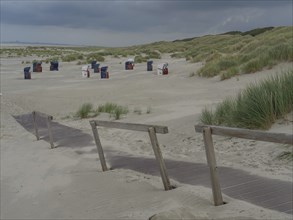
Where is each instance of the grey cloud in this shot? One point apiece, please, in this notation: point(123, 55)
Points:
point(118, 15)
point(153, 19)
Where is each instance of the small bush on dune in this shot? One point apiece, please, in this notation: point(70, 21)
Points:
point(153, 55)
point(256, 107)
point(113, 109)
point(72, 57)
point(222, 114)
point(213, 56)
point(207, 117)
point(226, 63)
point(229, 73)
point(218, 66)
point(96, 57)
point(282, 52)
point(119, 110)
point(140, 59)
point(252, 66)
point(86, 111)
point(286, 155)
point(210, 70)
point(108, 107)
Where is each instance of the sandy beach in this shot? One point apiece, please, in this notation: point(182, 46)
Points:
point(67, 182)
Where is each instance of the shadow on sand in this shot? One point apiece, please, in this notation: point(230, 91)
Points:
point(63, 136)
point(268, 193)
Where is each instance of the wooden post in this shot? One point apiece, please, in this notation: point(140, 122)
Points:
point(99, 146)
point(158, 154)
point(211, 159)
point(35, 125)
point(49, 119)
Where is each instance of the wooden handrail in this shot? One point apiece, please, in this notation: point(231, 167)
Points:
point(209, 130)
point(151, 129)
point(281, 138)
point(131, 126)
point(44, 115)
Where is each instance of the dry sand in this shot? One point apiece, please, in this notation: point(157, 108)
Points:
point(40, 183)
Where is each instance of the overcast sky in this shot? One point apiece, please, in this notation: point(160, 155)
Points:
point(123, 23)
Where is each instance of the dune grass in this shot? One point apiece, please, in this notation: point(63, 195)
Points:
point(256, 107)
point(286, 155)
point(246, 54)
point(86, 110)
point(113, 109)
point(226, 55)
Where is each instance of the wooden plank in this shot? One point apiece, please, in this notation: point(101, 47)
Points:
point(43, 115)
point(35, 125)
point(210, 154)
point(281, 138)
point(132, 126)
point(50, 131)
point(99, 146)
point(159, 158)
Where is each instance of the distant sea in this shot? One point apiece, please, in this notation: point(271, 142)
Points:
point(25, 44)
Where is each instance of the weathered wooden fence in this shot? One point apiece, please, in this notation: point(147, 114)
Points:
point(208, 131)
point(151, 129)
point(48, 118)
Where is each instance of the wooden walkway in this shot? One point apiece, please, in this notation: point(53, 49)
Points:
point(268, 193)
point(238, 184)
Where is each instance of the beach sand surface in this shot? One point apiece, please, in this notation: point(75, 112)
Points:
point(67, 182)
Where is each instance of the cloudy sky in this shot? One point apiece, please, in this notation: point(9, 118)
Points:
point(123, 23)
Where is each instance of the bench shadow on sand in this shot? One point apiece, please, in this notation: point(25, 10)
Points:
point(63, 136)
point(238, 184)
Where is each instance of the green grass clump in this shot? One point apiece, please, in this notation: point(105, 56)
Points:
point(86, 111)
point(207, 117)
point(139, 59)
point(210, 70)
point(233, 71)
point(286, 155)
point(256, 107)
point(108, 107)
point(113, 109)
point(119, 110)
point(72, 57)
point(153, 55)
point(95, 56)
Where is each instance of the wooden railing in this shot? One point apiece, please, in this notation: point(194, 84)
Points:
point(208, 131)
point(151, 129)
point(49, 119)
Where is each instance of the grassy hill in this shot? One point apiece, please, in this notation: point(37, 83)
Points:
point(225, 54)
